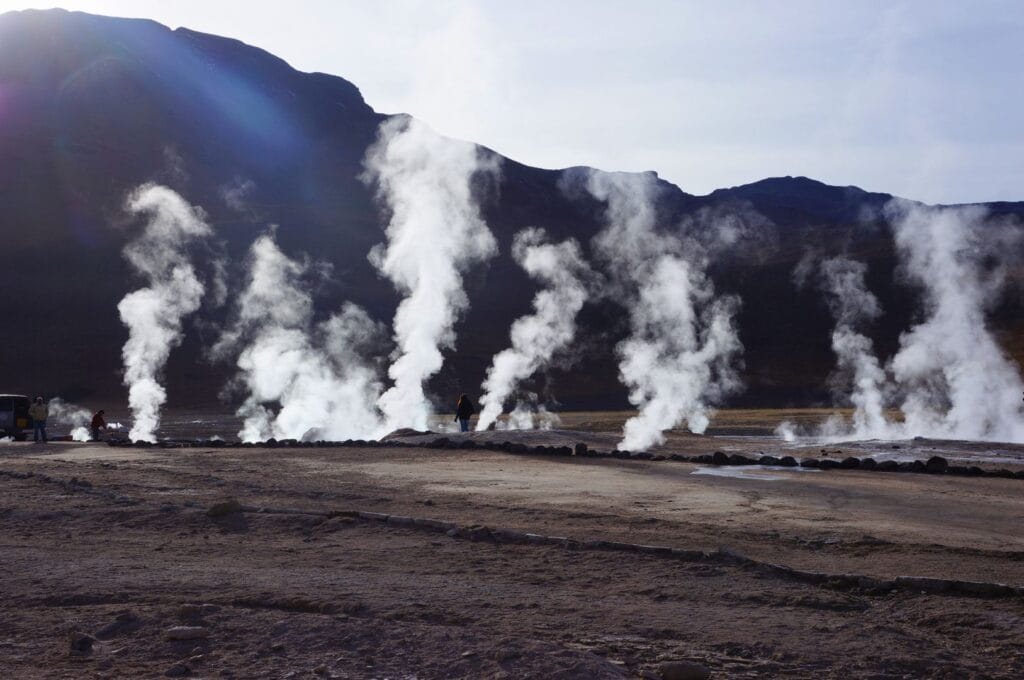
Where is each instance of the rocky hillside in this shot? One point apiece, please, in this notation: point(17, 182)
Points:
point(92, 106)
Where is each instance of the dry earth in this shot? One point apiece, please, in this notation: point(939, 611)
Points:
point(117, 544)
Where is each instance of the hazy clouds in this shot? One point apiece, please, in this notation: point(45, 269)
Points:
point(709, 95)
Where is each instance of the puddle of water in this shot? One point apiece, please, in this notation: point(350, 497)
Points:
point(749, 471)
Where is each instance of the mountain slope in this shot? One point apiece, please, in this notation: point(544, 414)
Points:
point(92, 106)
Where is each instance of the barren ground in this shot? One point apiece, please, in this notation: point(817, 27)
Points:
point(299, 595)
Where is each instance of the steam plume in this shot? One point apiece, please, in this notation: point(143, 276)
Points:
point(957, 380)
point(435, 234)
point(70, 415)
point(677, 360)
point(550, 328)
point(858, 369)
point(529, 414)
point(318, 375)
point(954, 379)
point(154, 314)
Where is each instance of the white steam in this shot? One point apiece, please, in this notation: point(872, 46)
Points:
point(529, 415)
point(154, 314)
point(318, 375)
point(786, 431)
point(950, 377)
point(678, 358)
point(859, 373)
point(435, 234)
point(536, 337)
point(957, 381)
point(72, 416)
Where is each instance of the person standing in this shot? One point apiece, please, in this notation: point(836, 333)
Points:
point(98, 423)
point(463, 410)
point(39, 413)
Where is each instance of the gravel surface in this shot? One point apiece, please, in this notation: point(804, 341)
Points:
point(114, 568)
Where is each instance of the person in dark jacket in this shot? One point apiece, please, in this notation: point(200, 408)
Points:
point(463, 410)
point(98, 423)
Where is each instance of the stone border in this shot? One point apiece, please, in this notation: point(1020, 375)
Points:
point(936, 465)
point(477, 532)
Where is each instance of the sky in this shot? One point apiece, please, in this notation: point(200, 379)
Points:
point(923, 99)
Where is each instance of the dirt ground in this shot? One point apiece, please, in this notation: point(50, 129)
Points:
point(117, 544)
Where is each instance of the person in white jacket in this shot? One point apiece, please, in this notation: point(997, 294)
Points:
point(38, 413)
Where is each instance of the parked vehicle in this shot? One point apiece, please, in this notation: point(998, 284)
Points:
point(14, 420)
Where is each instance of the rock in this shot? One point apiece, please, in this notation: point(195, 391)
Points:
point(888, 466)
point(809, 463)
point(868, 464)
point(684, 670)
point(937, 465)
point(178, 670)
point(923, 584)
point(223, 508)
point(123, 622)
point(828, 464)
point(81, 643)
point(850, 463)
point(477, 532)
point(788, 461)
point(187, 633)
point(737, 459)
point(581, 449)
point(768, 460)
point(719, 458)
point(984, 589)
point(468, 444)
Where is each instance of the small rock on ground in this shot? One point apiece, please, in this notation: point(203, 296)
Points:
point(226, 507)
point(81, 643)
point(178, 670)
point(684, 670)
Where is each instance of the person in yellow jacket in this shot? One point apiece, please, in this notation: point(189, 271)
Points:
point(38, 413)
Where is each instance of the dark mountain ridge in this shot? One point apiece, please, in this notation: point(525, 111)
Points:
point(91, 107)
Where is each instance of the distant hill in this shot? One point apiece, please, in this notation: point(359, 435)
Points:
point(92, 106)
